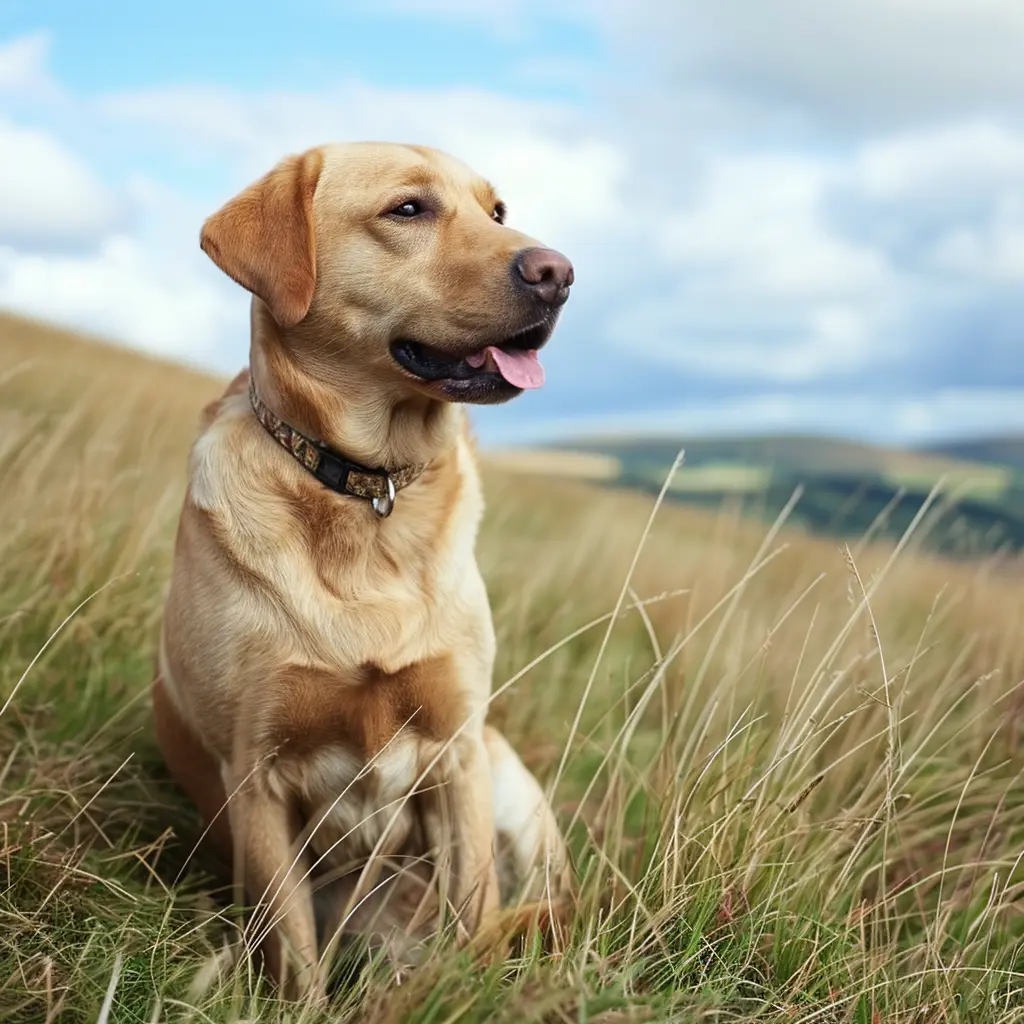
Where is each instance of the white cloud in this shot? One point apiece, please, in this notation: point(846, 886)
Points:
point(870, 63)
point(48, 196)
point(758, 221)
point(23, 67)
point(124, 292)
point(766, 288)
point(960, 158)
point(557, 175)
point(992, 251)
point(152, 288)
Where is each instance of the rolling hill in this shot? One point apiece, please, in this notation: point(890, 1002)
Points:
point(997, 451)
point(840, 488)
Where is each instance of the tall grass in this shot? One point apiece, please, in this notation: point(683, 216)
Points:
point(790, 771)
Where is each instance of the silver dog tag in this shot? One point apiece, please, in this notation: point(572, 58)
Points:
point(383, 506)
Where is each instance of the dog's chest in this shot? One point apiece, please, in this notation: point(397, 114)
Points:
point(377, 603)
point(335, 584)
point(352, 747)
point(353, 807)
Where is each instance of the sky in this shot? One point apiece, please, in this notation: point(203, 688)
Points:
point(788, 217)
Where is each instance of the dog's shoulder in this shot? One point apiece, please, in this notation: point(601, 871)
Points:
point(238, 386)
point(222, 453)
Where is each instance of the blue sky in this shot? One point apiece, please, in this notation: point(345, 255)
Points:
point(122, 45)
point(787, 216)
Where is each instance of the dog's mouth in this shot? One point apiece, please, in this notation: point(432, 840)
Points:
point(513, 360)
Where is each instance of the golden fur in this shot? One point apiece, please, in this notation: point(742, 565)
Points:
point(324, 673)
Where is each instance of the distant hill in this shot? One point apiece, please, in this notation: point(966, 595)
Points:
point(998, 451)
point(795, 451)
point(846, 488)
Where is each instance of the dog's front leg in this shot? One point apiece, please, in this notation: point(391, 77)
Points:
point(458, 816)
point(275, 879)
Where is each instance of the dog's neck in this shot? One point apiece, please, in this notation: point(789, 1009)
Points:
point(345, 408)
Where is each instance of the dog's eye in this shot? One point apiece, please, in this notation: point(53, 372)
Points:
point(499, 213)
point(410, 208)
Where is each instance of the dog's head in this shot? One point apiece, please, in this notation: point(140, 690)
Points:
point(396, 259)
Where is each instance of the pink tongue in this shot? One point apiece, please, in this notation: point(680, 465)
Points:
point(520, 367)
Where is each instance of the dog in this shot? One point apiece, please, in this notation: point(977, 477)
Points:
point(326, 648)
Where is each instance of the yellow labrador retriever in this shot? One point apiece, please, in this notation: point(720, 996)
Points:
point(327, 646)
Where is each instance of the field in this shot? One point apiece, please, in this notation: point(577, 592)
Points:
point(790, 766)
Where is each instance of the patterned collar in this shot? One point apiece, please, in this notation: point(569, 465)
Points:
point(378, 486)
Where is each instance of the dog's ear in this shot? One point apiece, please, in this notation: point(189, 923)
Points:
point(264, 238)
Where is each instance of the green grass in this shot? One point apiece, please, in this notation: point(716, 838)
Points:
point(792, 779)
point(990, 483)
point(721, 477)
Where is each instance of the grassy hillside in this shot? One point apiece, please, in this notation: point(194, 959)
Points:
point(791, 771)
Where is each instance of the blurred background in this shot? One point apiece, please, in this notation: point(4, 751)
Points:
point(797, 220)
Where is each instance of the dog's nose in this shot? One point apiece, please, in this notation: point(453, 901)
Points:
point(548, 274)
